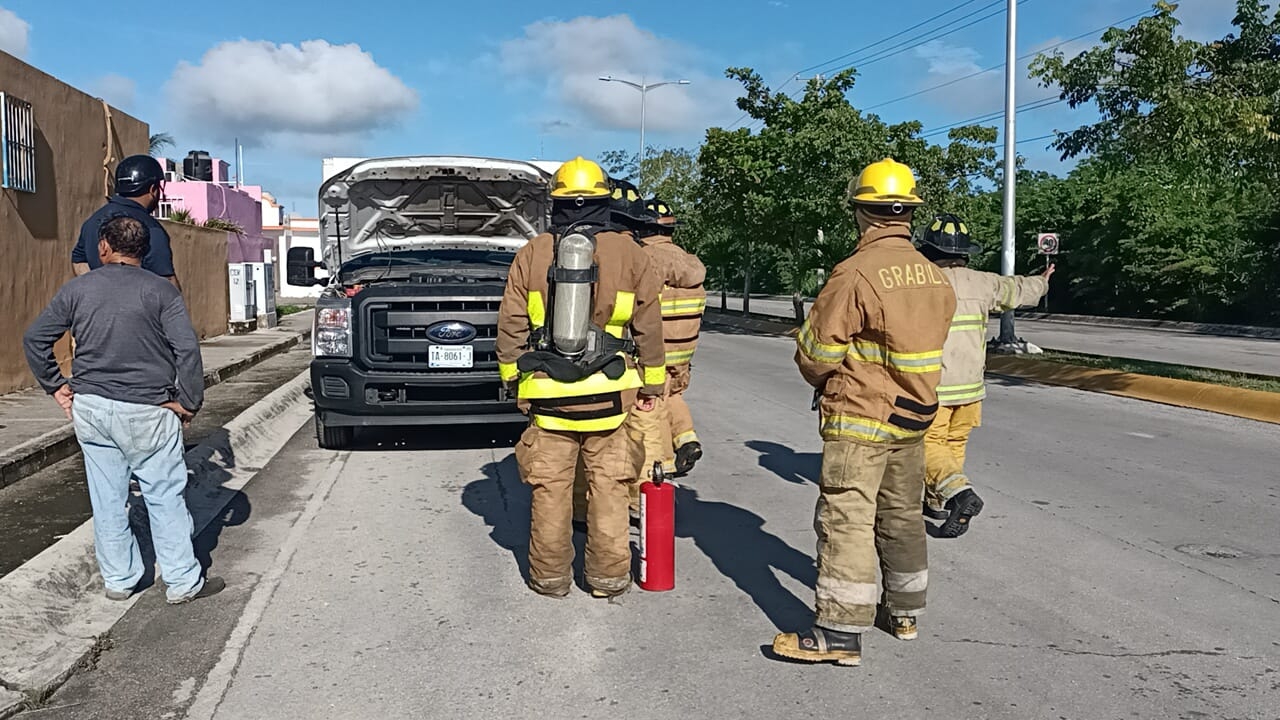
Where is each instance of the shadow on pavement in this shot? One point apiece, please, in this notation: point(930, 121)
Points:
point(436, 437)
point(502, 501)
point(794, 467)
point(735, 541)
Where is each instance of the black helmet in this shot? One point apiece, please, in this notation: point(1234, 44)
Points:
point(137, 174)
point(626, 206)
point(949, 235)
point(662, 210)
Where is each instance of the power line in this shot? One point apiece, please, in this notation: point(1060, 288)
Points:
point(893, 36)
point(1035, 105)
point(984, 71)
point(865, 48)
point(916, 42)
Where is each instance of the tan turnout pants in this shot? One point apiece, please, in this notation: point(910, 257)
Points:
point(649, 438)
point(868, 519)
point(547, 461)
point(681, 431)
point(945, 446)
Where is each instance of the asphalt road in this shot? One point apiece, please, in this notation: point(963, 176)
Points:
point(1125, 567)
point(1251, 355)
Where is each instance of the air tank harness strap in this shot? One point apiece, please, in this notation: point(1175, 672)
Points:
point(562, 369)
point(586, 275)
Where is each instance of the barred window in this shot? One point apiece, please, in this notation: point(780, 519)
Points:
point(17, 144)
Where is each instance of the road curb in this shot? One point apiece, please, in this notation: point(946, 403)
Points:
point(57, 445)
point(1245, 331)
point(1238, 402)
point(52, 609)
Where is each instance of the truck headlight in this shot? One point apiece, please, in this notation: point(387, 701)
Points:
point(331, 336)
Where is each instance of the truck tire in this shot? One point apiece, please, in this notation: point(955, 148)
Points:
point(333, 438)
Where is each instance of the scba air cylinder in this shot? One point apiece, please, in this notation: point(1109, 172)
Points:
point(571, 313)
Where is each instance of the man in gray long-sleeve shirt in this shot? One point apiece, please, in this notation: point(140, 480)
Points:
point(137, 379)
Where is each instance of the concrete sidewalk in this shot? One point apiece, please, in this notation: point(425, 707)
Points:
point(34, 433)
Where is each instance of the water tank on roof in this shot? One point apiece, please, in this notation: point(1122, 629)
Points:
point(198, 165)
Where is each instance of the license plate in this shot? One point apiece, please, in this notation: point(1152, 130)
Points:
point(449, 356)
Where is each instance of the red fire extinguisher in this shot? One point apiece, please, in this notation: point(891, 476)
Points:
point(657, 533)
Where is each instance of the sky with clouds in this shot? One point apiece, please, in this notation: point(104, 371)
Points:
point(297, 81)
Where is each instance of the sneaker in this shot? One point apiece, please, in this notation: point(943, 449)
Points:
point(817, 645)
point(961, 508)
point(212, 586)
point(119, 595)
point(687, 456)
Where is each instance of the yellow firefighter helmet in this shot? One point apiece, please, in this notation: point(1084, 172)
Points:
point(580, 178)
point(885, 183)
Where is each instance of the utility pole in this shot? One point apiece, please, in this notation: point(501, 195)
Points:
point(644, 88)
point(1008, 339)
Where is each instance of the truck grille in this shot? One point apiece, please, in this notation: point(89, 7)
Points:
point(395, 336)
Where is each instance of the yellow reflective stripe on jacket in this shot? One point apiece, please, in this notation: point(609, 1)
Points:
point(1008, 292)
point(867, 429)
point(961, 393)
point(655, 375)
point(683, 306)
point(968, 323)
point(545, 388)
point(508, 371)
point(624, 306)
point(537, 309)
point(921, 362)
point(816, 351)
point(605, 424)
point(679, 357)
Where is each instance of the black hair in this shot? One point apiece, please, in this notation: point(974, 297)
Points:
point(126, 236)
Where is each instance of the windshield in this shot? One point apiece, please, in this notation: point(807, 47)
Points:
point(429, 259)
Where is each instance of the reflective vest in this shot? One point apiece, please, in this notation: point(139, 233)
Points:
point(593, 404)
point(682, 311)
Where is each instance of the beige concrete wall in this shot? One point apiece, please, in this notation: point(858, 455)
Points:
point(78, 142)
point(195, 251)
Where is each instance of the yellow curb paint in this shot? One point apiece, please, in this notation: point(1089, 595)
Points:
point(1238, 402)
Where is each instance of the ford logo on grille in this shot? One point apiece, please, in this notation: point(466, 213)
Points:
point(452, 332)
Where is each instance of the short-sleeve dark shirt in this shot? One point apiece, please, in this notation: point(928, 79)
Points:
point(159, 260)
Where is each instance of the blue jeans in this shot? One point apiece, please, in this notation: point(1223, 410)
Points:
point(122, 440)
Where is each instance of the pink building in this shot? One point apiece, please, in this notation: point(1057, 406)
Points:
point(220, 198)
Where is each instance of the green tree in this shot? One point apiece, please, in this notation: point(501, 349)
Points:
point(1174, 209)
point(158, 142)
point(780, 192)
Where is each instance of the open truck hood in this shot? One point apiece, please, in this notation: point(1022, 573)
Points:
point(434, 202)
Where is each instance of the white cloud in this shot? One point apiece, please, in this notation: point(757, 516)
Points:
point(313, 94)
point(554, 53)
point(984, 93)
point(948, 60)
point(14, 33)
point(117, 90)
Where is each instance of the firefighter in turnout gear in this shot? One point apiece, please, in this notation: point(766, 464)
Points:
point(948, 496)
point(684, 300)
point(649, 431)
point(872, 346)
point(581, 304)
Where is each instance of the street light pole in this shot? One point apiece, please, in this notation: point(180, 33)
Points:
point(644, 88)
point(1008, 339)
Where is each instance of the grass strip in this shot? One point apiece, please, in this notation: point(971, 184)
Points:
point(1227, 378)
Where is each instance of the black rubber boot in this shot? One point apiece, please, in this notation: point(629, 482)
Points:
point(932, 514)
point(961, 508)
point(817, 645)
point(687, 456)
